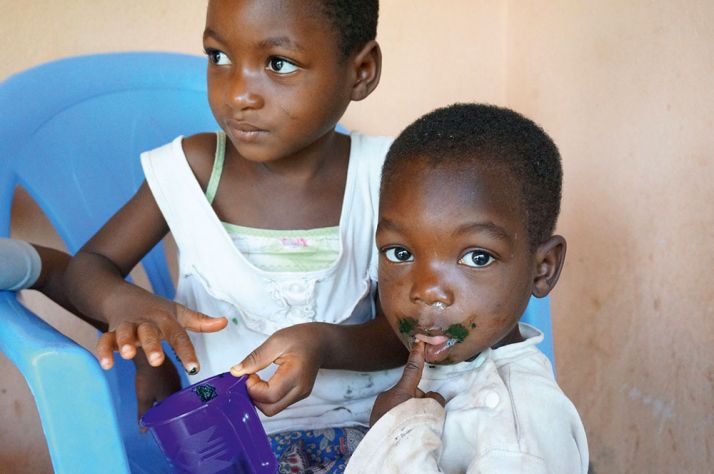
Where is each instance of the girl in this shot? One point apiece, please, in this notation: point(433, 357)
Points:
point(273, 217)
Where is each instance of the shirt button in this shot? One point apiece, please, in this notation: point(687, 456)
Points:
point(491, 399)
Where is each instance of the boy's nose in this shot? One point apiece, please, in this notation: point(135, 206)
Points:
point(430, 287)
point(242, 92)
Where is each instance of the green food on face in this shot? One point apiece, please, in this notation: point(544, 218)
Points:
point(205, 392)
point(235, 321)
point(407, 325)
point(457, 331)
point(473, 325)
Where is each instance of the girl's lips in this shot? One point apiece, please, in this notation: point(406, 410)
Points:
point(245, 132)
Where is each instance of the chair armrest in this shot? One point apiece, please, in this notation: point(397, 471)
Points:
point(70, 390)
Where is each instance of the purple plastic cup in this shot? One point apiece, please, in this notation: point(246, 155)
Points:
point(211, 427)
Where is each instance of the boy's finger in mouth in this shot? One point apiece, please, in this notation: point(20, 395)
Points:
point(436, 348)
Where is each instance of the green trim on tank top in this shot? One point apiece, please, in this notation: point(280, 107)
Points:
point(217, 170)
point(256, 232)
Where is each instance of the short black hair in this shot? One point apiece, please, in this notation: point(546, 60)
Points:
point(480, 133)
point(354, 21)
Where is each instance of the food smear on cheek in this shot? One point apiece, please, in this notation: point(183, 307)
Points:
point(407, 326)
point(457, 332)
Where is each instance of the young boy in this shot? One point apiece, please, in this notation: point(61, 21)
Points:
point(469, 199)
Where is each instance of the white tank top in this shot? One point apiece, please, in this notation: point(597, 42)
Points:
point(216, 279)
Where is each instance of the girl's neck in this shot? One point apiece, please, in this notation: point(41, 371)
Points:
point(319, 160)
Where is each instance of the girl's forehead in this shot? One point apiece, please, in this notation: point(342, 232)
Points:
point(247, 13)
point(263, 22)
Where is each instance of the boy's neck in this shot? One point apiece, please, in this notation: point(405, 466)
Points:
point(513, 337)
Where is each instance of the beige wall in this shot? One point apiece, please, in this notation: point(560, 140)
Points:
point(626, 90)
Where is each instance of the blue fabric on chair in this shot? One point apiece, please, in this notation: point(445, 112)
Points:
point(71, 132)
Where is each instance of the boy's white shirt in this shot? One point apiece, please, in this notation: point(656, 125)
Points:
point(504, 414)
point(217, 280)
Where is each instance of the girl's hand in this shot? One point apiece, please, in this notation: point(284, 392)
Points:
point(298, 353)
point(150, 328)
point(407, 387)
point(153, 384)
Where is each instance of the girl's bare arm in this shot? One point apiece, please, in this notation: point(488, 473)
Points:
point(136, 317)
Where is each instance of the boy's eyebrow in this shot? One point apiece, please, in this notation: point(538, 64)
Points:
point(385, 225)
point(281, 42)
point(490, 228)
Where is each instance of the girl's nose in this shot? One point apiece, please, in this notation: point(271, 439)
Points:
point(242, 93)
point(430, 287)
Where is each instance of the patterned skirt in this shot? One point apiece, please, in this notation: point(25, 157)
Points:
point(316, 451)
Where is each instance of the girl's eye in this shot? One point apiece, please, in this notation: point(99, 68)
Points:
point(398, 255)
point(477, 259)
point(217, 57)
point(281, 66)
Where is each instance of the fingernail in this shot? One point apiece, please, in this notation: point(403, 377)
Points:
point(125, 349)
point(237, 370)
point(191, 369)
point(154, 357)
point(105, 363)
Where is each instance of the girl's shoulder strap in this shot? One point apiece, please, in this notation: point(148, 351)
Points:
point(215, 178)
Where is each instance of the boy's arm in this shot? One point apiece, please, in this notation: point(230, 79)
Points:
point(406, 426)
point(136, 317)
point(300, 350)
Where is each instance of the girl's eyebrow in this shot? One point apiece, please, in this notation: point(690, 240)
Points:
point(209, 33)
point(281, 42)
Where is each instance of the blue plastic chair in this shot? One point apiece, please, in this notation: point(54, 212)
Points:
point(71, 132)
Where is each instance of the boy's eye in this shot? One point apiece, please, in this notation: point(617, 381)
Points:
point(398, 255)
point(477, 259)
point(217, 57)
point(281, 66)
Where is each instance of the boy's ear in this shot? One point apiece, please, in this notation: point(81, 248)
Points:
point(368, 68)
point(549, 259)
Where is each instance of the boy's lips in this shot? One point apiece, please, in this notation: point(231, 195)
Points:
point(437, 347)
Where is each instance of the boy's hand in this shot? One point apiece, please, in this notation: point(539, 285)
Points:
point(406, 388)
point(153, 384)
point(298, 353)
point(149, 329)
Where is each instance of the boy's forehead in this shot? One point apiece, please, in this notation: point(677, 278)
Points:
point(463, 183)
point(465, 172)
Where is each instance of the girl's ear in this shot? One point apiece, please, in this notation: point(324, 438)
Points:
point(549, 259)
point(368, 68)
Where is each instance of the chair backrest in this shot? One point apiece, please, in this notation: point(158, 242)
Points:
point(73, 131)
